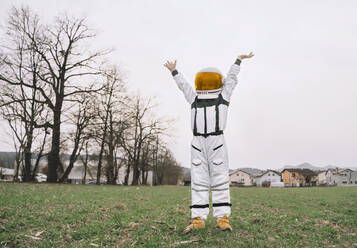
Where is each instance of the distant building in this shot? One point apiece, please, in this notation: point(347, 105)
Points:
point(6, 174)
point(354, 177)
point(322, 178)
point(338, 177)
point(76, 176)
point(184, 179)
point(243, 177)
point(240, 178)
point(267, 176)
point(299, 177)
point(187, 178)
point(122, 173)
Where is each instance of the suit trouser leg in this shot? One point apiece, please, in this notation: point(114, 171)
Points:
point(219, 170)
point(200, 180)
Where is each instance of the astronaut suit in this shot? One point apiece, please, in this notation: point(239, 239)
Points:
point(209, 158)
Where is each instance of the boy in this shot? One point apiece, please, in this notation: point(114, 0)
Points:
point(209, 160)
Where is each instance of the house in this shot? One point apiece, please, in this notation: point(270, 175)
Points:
point(338, 177)
point(122, 173)
point(77, 173)
point(243, 177)
point(322, 178)
point(299, 177)
point(354, 177)
point(6, 174)
point(185, 177)
point(267, 176)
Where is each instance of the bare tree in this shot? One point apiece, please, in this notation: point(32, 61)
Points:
point(46, 72)
point(81, 119)
point(144, 126)
point(67, 66)
point(109, 122)
point(19, 140)
point(167, 170)
point(40, 154)
point(146, 160)
point(112, 141)
point(86, 157)
point(20, 65)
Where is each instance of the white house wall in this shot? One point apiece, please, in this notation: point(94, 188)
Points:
point(341, 177)
point(270, 176)
point(241, 177)
point(321, 177)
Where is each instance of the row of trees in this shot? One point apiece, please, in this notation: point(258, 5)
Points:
point(59, 96)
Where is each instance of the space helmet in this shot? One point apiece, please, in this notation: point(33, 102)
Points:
point(208, 81)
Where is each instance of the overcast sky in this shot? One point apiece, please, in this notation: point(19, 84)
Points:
point(296, 99)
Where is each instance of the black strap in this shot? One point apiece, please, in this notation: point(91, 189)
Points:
point(194, 123)
point(200, 206)
point(196, 148)
point(223, 204)
point(208, 134)
point(201, 103)
point(222, 101)
point(217, 117)
point(217, 147)
point(174, 72)
point(205, 118)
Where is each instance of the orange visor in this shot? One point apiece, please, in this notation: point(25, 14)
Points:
point(208, 81)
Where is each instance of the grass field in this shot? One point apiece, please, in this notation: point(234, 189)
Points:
point(47, 215)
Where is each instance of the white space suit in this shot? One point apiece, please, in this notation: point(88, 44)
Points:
point(209, 158)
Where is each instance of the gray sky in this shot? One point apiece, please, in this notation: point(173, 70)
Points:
point(296, 98)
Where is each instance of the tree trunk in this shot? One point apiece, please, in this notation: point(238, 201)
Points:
point(136, 170)
point(126, 179)
point(28, 156)
point(110, 168)
point(54, 155)
point(116, 168)
point(85, 163)
point(16, 176)
point(74, 155)
point(136, 175)
point(110, 158)
point(143, 176)
point(72, 160)
point(33, 175)
point(99, 169)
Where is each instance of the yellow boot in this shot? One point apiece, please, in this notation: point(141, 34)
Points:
point(223, 224)
point(196, 224)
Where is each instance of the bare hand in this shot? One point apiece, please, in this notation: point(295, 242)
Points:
point(170, 65)
point(241, 57)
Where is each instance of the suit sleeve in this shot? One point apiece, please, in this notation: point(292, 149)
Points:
point(184, 86)
point(231, 80)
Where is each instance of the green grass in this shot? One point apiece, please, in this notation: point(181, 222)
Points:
point(118, 216)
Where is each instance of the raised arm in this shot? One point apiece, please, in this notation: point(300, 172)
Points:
point(181, 82)
point(231, 81)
